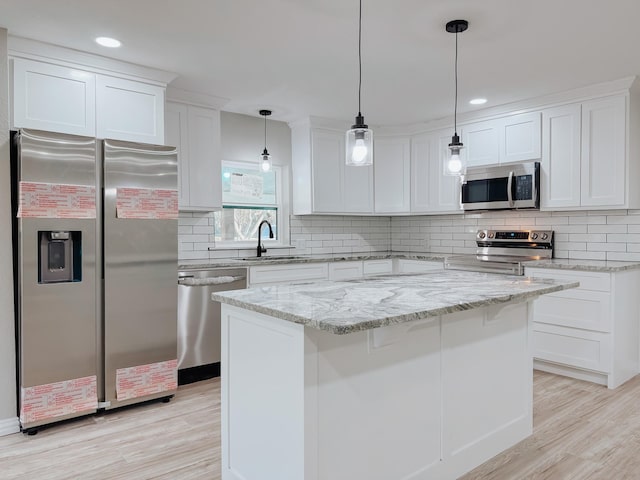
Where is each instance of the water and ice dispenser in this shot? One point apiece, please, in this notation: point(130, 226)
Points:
point(59, 256)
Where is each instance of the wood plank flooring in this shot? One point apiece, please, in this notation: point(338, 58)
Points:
point(582, 431)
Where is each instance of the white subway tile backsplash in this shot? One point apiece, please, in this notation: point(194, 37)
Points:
point(598, 234)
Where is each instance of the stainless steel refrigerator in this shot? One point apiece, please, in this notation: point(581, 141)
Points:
point(96, 265)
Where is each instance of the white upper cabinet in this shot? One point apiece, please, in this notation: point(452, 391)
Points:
point(196, 133)
point(322, 183)
point(560, 164)
point(392, 174)
point(128, 110)
point(603, 152)
point(481, 143)
point(84, 101)
point(520, 137)
point(54, 98)
point(431, 190)
point(584, 161)
point(514, 138)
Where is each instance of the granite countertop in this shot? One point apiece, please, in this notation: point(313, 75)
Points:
point(363, 304)
point(334, 257)
point(583, 265)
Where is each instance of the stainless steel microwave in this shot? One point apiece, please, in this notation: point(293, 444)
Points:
point(501, 188)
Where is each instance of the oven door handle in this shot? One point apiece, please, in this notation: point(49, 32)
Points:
point(509, 188)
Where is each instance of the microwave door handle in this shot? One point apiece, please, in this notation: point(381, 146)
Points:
point(509, 188)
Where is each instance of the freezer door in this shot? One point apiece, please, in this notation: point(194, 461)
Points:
point(57, 313)
point(140, 271)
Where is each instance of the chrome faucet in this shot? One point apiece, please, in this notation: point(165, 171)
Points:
point(261, 248)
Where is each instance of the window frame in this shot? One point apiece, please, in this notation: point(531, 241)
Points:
point(282, 223)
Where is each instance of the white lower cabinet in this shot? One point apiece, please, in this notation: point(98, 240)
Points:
point(405, 265)
point(590, 332)
point(377, 267)
point(345, 270)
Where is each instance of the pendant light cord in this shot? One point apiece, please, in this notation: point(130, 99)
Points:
point(455, 104)
point(265, 132)
point(359, 57)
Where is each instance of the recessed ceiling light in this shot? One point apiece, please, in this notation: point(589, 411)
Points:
point(108, 42)
point(478, 101)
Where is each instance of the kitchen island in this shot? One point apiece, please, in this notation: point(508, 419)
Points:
point(384, 378)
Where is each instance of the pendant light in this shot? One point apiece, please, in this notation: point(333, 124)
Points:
point(456, 165)
point(359, 139)
point(265, 158)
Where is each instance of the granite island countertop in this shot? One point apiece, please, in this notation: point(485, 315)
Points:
point(362, 304)
point(583, 265)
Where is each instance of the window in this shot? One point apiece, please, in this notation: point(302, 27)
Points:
point(248, 197)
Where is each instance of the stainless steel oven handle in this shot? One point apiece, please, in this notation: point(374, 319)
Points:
point(509, 186)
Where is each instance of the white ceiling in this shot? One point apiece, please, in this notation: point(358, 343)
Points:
point(299, 57)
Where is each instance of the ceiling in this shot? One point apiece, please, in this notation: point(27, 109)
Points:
point(299, 57)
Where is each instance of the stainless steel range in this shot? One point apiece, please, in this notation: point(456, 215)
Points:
point(504, 251)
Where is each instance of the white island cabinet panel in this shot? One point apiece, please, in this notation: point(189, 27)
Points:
point(54, 98)
point(130, 111)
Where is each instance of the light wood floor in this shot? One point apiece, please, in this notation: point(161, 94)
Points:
point(581, 431)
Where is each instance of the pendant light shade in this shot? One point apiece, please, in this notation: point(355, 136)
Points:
point(456, 164)
point(265, 158)
point(359, 140)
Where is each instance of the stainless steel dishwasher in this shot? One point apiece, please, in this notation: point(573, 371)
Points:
point(199, 320)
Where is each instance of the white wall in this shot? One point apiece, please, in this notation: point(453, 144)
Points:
point(8, 419)
point(591, 235)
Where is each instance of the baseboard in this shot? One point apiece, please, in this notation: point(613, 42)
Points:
point(9, 426)
point(567, 371)
point(196, 374)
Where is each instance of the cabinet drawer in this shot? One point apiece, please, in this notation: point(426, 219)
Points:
point(378, 267)
point(575, 308)
point(270, 274)
point(588, 280)
point(417, 266)
point(576, 348)
point(345, 270)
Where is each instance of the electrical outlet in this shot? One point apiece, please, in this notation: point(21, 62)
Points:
point(426, 244)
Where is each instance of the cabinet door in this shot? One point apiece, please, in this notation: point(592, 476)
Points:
point(431, 190)
point(560, 165)
point(520, 138)
point(481, 143)
point(358, 189)
point(205, 162)
point(444, 189)
point(603, 152)
point(327, 153)
point(176, 134)
point(392, 164)
point(53, 98)
point(128, 110)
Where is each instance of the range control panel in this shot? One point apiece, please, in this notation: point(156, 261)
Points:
point(514, 236)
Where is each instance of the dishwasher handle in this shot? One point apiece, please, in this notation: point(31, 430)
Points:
point(203, 282)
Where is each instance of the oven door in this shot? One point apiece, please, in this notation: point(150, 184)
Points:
point(508, 187)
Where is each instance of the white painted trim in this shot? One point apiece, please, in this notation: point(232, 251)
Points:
point(195, 98)
point(9, 426)
point(48, 53)
point(567, 371)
